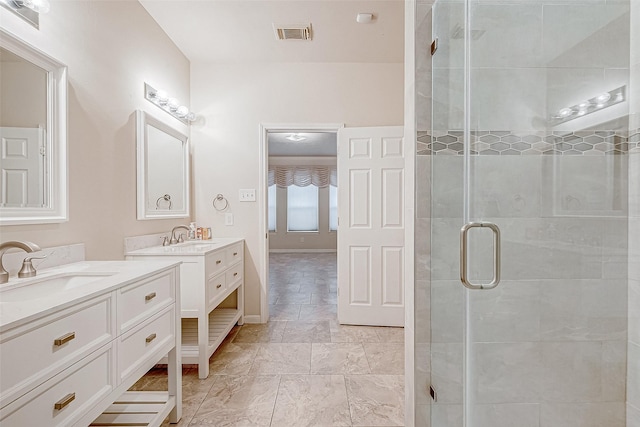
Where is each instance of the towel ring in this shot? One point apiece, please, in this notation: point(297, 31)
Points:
point(166, 198)
point(218, 200)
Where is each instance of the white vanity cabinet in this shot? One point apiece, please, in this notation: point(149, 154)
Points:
point(70, 361)
point(212, 293)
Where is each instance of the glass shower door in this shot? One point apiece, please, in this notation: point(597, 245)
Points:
point(530, 119)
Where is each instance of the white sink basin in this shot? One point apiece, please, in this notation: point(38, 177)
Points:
point(200, 243)
point(45, 287)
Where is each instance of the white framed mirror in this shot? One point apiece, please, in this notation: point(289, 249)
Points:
point(163, 169)
point(33, 135)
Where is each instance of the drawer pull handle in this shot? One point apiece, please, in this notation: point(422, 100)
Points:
point(218, 261)
point(150, 338)
point(235, 253)
point(64, 401)
point(149, 297)
point(235, 274)
point(219, 285)
point(64, 339)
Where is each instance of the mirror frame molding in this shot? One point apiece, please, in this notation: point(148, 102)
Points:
point(144, 119)
point(56, 209)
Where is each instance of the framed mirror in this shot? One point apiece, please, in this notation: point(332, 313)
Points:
point(163, 169)
point(33, 135)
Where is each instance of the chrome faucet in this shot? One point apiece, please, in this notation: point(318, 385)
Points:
point(180, 239)
point(25, 246)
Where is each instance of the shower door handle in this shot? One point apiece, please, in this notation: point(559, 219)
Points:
point(464, 231)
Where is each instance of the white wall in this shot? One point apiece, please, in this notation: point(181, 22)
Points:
point(111, 48)
point(234, 99)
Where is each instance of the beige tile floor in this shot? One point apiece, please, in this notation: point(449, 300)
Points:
point(300, 369)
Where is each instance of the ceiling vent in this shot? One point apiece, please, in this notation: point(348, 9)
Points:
point(292, 32)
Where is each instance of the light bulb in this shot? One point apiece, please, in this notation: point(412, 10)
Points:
point(603, 98)
point(162, 97)
point(173, 104)
point(182, 111)
point(584, 105)
point(565, 112)
point(191, 116)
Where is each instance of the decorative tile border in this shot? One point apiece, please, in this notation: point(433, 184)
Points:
point(634, 141)
point(501, 143)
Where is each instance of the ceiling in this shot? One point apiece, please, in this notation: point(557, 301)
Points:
point(223, 31)
point(314, 144)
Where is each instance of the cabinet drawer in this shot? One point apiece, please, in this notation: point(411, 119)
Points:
point(216, 287)
point(137, 345)
point(66, 397)
point(234, 274)
point(140, 300)
point(44, 347)
point(234, 253)
point(215, 262)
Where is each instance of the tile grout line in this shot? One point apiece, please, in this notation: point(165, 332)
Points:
point(346, 390)
point(215, 380)
point(275, 401)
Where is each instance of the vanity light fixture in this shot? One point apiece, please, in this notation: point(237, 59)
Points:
point(597, 103)
point(29, 10)
point(167, 104)
point(295, 137)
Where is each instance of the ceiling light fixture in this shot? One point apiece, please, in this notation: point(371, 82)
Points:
point(169, 105)
point(364, 18)
point(597, 103)
point(295, 137)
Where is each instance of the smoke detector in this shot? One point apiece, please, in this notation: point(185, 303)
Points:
point(292, 32)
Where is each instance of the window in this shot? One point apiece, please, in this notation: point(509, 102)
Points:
point(333, 208)
point(271, 198)
point(302, 208)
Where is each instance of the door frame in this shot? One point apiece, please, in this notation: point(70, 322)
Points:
point(265, 128)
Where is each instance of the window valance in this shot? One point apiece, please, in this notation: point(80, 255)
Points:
point(302, 176)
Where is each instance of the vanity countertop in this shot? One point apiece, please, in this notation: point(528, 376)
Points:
point(22, 300)
point(188, 248)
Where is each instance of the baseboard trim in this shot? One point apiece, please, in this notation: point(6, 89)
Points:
point(252, 318)
point(284, 251)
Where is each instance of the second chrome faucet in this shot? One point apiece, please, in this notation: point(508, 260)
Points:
point(180, 238)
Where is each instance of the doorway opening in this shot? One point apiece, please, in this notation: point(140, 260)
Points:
point(298, 195)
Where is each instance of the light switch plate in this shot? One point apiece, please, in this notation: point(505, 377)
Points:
point(247, 195)
point(228, 218)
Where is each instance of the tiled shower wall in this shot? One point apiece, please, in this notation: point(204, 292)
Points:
point(549, 343)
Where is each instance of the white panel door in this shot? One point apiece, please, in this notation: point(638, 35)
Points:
point(371, 253)
point(21, 167)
